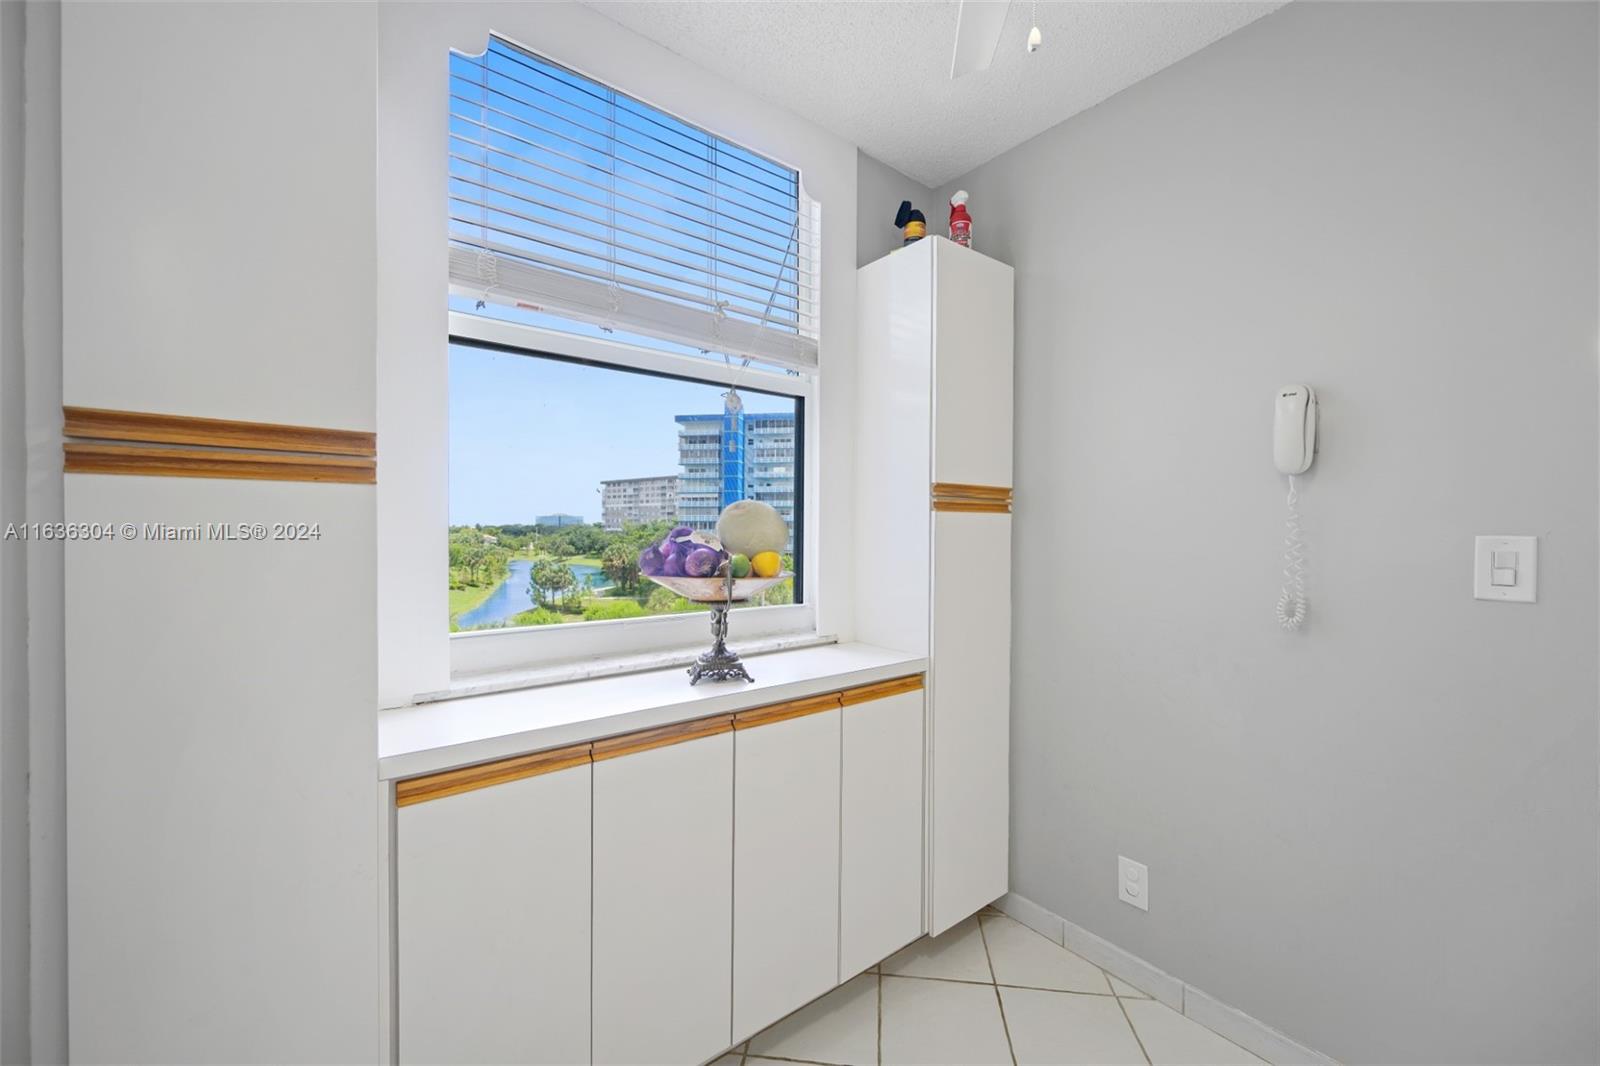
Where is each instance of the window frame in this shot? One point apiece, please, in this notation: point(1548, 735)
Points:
point(537, 648)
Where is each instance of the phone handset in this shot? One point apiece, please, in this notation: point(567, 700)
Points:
point(1294, 445)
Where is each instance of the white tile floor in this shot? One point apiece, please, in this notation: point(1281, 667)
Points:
point(990, 992)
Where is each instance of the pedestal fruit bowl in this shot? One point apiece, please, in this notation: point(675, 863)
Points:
point(697, 567)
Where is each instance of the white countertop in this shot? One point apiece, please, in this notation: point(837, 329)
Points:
point(430, 737)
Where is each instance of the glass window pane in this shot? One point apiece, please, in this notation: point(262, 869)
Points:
point(562, 472)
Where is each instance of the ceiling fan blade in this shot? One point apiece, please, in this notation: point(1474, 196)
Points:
point(978, 26)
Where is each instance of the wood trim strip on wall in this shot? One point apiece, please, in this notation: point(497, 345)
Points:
point(469, 778)
point(979, 499)
point(662, 736)
point(89, 458)
point(98, 423)
point(482, 775)
point(782, 712)
point(883, 689)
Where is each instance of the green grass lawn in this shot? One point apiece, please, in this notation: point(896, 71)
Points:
point(465, 599)
point(584, 560)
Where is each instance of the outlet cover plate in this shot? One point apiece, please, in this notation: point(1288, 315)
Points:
point(1133, 883)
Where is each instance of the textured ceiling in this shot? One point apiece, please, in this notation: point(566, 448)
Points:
point(877, 72)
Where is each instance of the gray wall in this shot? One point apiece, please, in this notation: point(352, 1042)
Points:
point(14, 1045)
point(1379, 834)
point(879, 190)
point(41, 342)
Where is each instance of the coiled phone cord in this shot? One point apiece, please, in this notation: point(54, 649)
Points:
point(1292, 600)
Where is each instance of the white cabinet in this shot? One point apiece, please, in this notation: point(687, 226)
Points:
point(655, 897)
point(880, 875)
point(493, 916)
point(785, 868)
point(971, 345)
point(935, 355)
point(663, 906)
point(218, 176)
point(969, 678)
point(221, 858)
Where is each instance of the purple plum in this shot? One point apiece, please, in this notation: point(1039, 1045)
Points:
point(702, 562)
point(672, 566)
point(651, 561)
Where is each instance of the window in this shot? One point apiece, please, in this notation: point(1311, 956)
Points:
point(572, 203)
point(575, 212)
point(561, 472)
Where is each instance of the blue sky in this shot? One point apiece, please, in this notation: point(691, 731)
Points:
point(531, 436)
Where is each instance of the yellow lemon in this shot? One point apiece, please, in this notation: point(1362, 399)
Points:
point(766, 564)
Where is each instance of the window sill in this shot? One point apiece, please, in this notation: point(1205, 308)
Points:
point(517, 658)
point(564, 672)
point(426, 738)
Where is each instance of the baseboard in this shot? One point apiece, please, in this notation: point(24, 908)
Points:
point(1254, 1036)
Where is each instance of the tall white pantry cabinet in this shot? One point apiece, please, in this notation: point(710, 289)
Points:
point(219, 363)
point(934, 344)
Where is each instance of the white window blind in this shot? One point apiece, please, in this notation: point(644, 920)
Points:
point(571, 198)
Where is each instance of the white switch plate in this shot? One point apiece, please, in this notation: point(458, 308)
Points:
point(1133, 883)
point(1489, 574)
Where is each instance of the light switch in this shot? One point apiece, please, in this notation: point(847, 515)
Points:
point(1506, 569)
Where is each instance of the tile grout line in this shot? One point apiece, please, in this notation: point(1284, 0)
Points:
point(999, 1001)
point(1004, 984)
point(1134, 1029)
point(880, 1014)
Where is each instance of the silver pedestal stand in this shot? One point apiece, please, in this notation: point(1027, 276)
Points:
point(719, 664)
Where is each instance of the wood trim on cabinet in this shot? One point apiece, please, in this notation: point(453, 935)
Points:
point(98, 423)
point(469, 778)
point(978, 499)
point(482, 775)
point(883, 689)
point(981, 492)
point(971, 507)
point(782, 712)
point(662, 736)
point(88, 458)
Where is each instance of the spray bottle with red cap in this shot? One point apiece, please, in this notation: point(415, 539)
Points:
point(960, 221)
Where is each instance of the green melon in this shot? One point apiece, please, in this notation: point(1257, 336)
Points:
point(750, 527)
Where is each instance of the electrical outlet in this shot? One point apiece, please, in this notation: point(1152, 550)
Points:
point(1133, 883)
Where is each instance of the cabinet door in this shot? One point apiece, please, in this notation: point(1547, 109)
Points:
point(785, 867)
point(222, 871)
point(969, 722)
point(492, 902)
point(972, 376)
point(227, 273)
point(663, 904)
point(880, 876)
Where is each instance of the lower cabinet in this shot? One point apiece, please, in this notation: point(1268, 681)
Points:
point(663, 902)
point(492, 905)
point(785, 866)
point(881, 853)
point(657, 897)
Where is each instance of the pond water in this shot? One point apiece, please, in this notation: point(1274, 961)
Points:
point(512, 596)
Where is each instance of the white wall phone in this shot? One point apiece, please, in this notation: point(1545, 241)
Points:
point(1294, 445)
